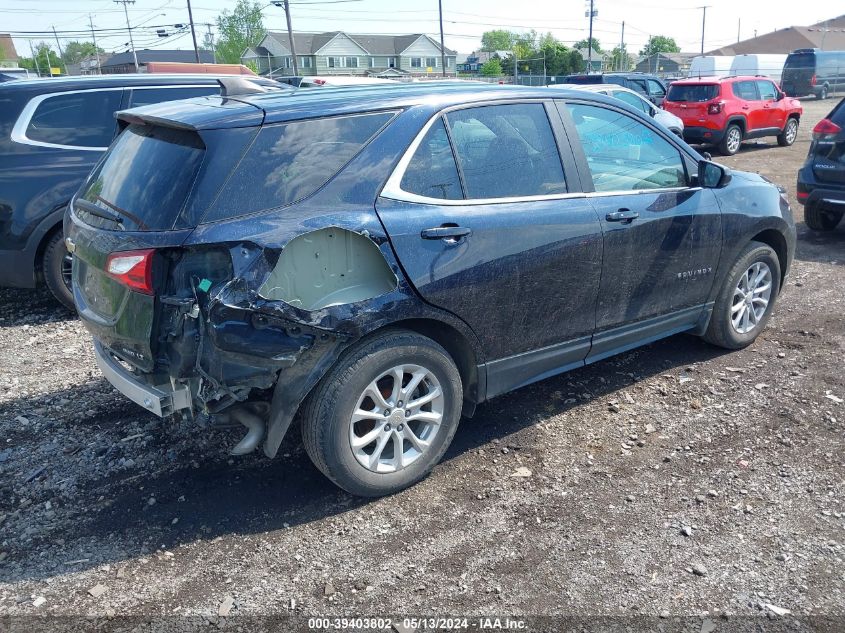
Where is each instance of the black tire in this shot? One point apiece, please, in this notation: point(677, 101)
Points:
point(821, 219)
point(790, 132)
point(721, 330)
point(54, 267)
point(727, 146)
point(327, 413)
point(822, 94)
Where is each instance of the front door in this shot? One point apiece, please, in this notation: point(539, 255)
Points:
point(662, 238)
point(774, 112)
point(482, 219)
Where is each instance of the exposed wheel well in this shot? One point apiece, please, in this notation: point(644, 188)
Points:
point(459, 348)
point(778, 242)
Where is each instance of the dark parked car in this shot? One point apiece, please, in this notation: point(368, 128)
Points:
point(651, 87)
point(821, 180)
point(811, 71)
point(52, 132)
point(382, 260)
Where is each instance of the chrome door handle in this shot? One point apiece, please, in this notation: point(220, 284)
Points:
point(626, 216)
point(452, 233)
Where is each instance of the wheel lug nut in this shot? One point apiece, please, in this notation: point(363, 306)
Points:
point(400, 427)
point(387, 412)
point(407, 413)
point(399, 404)
point(386, 427)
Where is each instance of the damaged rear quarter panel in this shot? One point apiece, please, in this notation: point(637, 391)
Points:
point(263, 328)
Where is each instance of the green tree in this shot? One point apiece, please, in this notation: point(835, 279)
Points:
point(620, 60)
point(660, 44)
point(240, 29)
point(76, 51)
point(492, 68)
point(497, 40)
point(584, 44)
point(577, 64)
point(45, 57)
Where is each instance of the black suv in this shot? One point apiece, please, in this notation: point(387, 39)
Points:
point(821, 180)
point(651, 87)
point(52, 132)
point(382, 260)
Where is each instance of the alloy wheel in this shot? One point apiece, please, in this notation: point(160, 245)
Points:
point(734, 140)
point(791, 131)
point(67, 270)
point(751, 298)
point(396, 418)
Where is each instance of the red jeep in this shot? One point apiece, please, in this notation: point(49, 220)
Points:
point(724, 111)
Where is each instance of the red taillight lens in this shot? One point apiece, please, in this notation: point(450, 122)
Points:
point(813, 80)
point(133, 269)
point(803, 195)
point(714, 108)
point(825, 130)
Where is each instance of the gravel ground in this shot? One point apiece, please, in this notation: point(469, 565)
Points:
point(676, 479)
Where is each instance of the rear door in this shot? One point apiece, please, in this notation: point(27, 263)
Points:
point(748, 99)
point(662, 237)
point(488, 223)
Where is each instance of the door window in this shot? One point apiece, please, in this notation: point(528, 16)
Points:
point(767, 90)
point(656, 89)
point(746, 90)
point(639, 85)
point(141, 97)
point(623, 154)
point(81, 119)
point(634, 100)
point(432, 171)
point(506, 151)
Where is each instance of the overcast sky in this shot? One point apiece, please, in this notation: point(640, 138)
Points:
point(464, 20)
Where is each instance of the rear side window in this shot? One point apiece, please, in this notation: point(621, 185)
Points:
point(82, 119)
point(506, 151)
point(693, 93)
point(432, 171)
point(746, 90)
point(290, 161)
point(633, 100)
point(837, 115)
point(144, 180)
point(148, 96)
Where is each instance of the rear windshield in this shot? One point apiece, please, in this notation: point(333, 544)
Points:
point(695, 93)
point(290, 161)
point(144, 179)
point(802, 61)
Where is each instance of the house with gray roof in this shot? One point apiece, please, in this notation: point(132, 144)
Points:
point(351, 54)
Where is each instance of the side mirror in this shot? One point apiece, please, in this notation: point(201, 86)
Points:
point(712, 176)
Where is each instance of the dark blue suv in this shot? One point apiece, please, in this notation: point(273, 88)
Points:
point(381, 260)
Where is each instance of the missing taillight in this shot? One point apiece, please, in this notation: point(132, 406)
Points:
point(133, 269)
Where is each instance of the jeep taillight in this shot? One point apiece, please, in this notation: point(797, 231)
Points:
point(825, 130)
point(715, 108)
point(133, 269)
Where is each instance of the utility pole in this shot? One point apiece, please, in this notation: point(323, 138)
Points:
point(624, 59)
point(442, 48)
point(193, 32)
point(738, 24)
point(590, 40)
point(286, 5)
point(94, 37)
point(703, 20)
point(211, 42)
point(61, 54)
point(129, 28)
point(35, 58)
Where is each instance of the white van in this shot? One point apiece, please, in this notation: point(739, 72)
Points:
point(710, 65)
point(770, 65)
